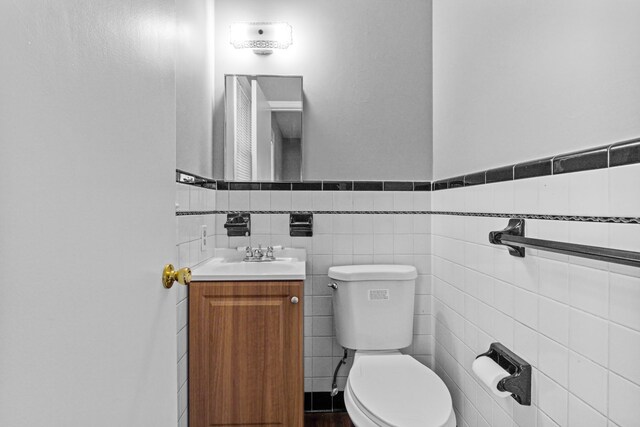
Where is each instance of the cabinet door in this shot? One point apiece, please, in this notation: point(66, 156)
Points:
point(245, 354)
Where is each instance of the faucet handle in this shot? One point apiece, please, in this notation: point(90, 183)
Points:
point(269, 251)
point(257, 253)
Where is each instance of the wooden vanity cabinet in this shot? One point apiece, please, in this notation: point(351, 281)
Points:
point(245, 354)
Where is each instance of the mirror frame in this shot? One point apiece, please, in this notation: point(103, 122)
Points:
point(224, 127)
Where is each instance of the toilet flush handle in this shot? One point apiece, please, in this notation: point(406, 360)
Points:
point(333, 285)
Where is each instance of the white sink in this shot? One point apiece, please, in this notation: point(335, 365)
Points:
point(227, 265)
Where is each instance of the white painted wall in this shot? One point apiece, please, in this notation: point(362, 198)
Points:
point(87, 160)
point(517, 80)
point(194, 86)
point(367, 82)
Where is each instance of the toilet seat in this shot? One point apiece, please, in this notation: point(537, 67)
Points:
point(395, 390)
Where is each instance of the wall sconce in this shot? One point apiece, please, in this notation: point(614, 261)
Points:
point(262, 37)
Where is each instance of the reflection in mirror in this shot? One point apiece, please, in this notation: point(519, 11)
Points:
point(263, 128)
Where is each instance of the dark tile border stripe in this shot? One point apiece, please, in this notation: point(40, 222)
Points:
point(532, 169)
point(322, 401)
point(618, 154)
point(576, 218)
point(275, 186)
point(581, 161)
point(337, 186)
point(244, 186)
point(421, 186)
point(193, 179)
point(306, 186)
point(504, 173)
point(183, 177)
point(368, 186)
point(398, 186)
point(478, 178)
point(456, 182)
point(624, 153)
point(307, 401)
point(440, 185)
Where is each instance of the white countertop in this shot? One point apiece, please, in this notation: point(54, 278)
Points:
point(227, 265)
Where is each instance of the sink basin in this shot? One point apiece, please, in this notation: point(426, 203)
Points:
point(227, 265)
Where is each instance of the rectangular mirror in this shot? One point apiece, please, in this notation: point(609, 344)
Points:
point(263, 128)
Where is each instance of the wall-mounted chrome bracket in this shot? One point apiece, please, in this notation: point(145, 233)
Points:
point(301, 224)
point(518, 383)
point(514, 228)
point(238, 224)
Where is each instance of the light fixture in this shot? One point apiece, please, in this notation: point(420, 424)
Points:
point(262, 37)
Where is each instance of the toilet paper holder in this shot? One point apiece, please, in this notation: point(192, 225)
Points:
point(518, 383)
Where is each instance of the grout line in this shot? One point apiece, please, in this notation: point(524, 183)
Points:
point(179, 360)
point(183, 412)
point(181, 329)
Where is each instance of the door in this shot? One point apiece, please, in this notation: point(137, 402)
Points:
point(245, 354)
point(87, 221)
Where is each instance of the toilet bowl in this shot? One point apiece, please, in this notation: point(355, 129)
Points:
point(373, 313)
point(393, 389)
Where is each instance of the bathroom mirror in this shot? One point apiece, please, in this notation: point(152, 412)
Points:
point(263, 128)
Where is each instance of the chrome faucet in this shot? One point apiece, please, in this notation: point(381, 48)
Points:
point(258, 255)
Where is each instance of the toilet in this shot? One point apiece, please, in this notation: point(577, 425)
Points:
point(373, 315)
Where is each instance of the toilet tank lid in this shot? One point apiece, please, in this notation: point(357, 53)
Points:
point(353, 273)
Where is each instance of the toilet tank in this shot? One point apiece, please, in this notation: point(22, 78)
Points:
point(373, 306)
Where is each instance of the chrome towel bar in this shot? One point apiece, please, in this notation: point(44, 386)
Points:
point(513, 237)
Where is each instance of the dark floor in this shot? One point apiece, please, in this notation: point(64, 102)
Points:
point(327, 419)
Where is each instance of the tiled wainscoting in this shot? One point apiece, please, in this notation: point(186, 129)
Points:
point(576, 321)
point(188, 253)
point(340, 239)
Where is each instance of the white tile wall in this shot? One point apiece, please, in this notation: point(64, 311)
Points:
point(188, 254)
point(339, 240)
point(576, 321)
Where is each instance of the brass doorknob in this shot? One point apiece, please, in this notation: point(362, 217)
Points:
point(169, 275)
